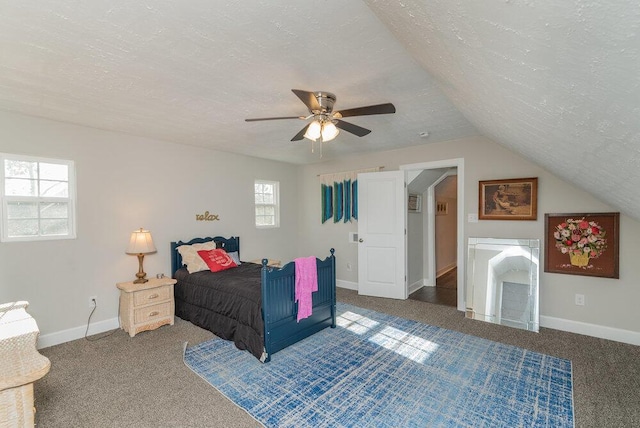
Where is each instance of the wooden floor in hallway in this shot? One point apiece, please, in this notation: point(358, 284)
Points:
point(444, 293)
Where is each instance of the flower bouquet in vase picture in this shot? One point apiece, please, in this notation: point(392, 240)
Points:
point(581, 240)
point(583, 244)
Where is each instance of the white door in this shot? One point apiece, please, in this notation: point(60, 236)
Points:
point(381, 232)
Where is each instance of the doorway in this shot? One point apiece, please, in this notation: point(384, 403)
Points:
point(443, 194)
point(446, 208)
point(442, 276)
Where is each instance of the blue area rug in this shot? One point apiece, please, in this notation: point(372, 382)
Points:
point(376, 370)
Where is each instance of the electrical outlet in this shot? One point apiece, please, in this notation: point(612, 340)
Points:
point(348, 265)
point(93, 301)
point(580, 299)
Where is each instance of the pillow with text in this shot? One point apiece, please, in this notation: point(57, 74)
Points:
point(217, 259)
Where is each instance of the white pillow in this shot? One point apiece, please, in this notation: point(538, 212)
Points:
point(192, 259)
point(235, 257)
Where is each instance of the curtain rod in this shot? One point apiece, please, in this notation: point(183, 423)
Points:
point(347, 172)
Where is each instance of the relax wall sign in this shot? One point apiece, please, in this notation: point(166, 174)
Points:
point(207, 217)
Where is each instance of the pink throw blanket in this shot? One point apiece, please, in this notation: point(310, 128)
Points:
point(306, 283)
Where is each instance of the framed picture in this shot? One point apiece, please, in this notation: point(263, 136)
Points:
point(415, 204)
point(512, 199)
point(582, 244)
point(442, 208)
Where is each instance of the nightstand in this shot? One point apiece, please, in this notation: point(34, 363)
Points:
point(271, 262)
point(146, 306)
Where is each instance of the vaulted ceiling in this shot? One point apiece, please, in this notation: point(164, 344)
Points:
point(556, 82)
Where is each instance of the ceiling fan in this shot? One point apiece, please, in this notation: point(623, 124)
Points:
point(326, 122)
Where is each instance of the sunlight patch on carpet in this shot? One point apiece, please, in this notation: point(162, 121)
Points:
point(405, 344)
point(355, 323)
point(377, 370)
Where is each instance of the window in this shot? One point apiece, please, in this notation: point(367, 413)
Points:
point(38, 198)
point(267, 204)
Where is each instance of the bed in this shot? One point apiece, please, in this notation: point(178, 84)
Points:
point(253, 305)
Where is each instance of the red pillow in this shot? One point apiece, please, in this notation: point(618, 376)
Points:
point(217, 259)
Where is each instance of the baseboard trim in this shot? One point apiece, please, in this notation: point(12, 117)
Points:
point(58, 337)
point(416, 286)
point(446, 269)
point(594, 330)
point(349, 285)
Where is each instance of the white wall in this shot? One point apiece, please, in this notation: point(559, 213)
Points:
point(610, 309)
point(446, 225)
point(127, 182)
point(415, 249)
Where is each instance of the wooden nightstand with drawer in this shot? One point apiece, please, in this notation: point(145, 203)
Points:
point(146, 306)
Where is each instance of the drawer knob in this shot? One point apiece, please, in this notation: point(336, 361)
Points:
point(153, 296)
point(153, 314)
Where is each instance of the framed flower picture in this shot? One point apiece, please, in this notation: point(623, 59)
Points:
point(582, 244)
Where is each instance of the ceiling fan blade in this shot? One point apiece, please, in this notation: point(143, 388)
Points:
point(308, 98)
point(350, 127)
point(300, 135)
point(368, 110)
point(274, 118)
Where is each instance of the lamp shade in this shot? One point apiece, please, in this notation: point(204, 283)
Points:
point(141, 243)
point(313, 131)
point(329, 131)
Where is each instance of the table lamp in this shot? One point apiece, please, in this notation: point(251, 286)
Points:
point(140, 244)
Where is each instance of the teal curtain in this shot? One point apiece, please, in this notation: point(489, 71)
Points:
point(339, 193)
point(347, 201)
point(338, 199)
point(354, 196)
point(327, 202)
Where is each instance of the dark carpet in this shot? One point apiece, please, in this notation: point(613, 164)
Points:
point(142, 382)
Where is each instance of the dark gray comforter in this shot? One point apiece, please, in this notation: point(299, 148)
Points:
point(227, 303)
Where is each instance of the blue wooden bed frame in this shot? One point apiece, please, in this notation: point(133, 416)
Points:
point(279, 309)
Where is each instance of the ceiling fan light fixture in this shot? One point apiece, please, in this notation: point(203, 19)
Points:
point(324, 121)
point(329, 131)
point(313, 131)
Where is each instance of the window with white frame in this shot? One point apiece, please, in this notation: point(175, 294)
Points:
point(267, 204)
point(38, 198)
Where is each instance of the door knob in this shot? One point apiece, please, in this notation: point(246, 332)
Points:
point(360, 240)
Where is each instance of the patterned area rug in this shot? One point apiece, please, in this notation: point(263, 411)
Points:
point(376, 370)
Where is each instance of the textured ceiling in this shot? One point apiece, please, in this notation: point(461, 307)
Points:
point(191, 72)
point(557, 82)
